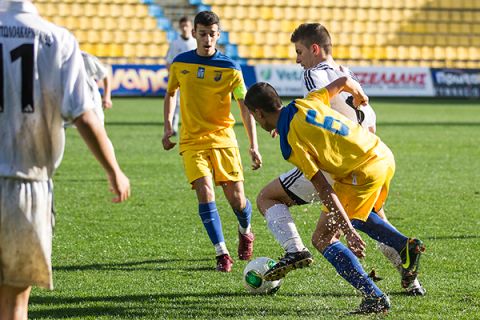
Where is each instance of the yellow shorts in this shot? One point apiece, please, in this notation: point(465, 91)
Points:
point(367, 188)
point(223, 164)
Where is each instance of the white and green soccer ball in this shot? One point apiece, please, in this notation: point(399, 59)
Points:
point(253, 277)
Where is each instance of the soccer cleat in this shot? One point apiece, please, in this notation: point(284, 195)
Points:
point(224, 263)
point(410, 261)
point(415, 289)
point(374, 305)
point(245, 245)
point(291, 261)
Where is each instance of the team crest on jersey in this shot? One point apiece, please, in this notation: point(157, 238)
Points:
point(218, 76)
point(201, 73)
point(184, 71)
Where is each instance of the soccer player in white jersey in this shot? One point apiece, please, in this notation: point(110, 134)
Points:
point(42, 84)
point(96, 71)
point(185, 42)
point(314, 53)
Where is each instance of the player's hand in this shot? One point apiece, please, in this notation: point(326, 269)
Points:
point(256, 158)
point(359, 98)
point(167, 143)
point(107, 103)
point(355, 243)
point(274, 133)
point(119, 185)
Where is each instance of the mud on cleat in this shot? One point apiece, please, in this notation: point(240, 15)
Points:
point(411, 261)
point(291, 261)
point(245, 245)
point(224, 263)
point(374, 305)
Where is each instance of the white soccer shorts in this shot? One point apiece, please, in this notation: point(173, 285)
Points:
point(299, 188)
point(26, 233)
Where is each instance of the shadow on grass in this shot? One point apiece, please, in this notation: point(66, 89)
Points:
point(453, 237)
point(182, 306)
point(149, 265)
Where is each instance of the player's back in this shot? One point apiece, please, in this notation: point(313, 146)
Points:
point(38, 87)
point(337, 144)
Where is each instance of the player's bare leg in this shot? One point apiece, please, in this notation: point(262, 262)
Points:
point(272, 194)
point(14, 302)
point(211, 220)
point(235, 194)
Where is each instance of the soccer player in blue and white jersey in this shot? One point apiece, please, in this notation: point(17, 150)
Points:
point(207, 79)
point(314, 53)
point(318, 139)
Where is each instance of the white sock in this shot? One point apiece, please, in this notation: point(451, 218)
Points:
point(391, 255)
point(246, 230)
point(283, 228)
point(221, 248)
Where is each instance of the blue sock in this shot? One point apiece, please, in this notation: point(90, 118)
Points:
point(211, 220)
point(382, 231)
point(244, 216)
point(350, 269)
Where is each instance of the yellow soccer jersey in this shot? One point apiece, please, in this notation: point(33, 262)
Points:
point(313, 136)
point(206, 85)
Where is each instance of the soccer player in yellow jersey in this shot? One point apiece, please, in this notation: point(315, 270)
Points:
point(315, 137)
point(208, 145)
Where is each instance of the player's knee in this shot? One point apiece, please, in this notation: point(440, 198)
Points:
point(320, 242)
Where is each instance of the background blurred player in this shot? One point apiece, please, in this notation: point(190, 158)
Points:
point(206, 79)
point(184, 43)
point(96, 71)
point(314, 53)
point(42, 82)
point(361, 166)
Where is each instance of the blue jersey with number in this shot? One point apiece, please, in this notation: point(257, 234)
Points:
point(313, 136)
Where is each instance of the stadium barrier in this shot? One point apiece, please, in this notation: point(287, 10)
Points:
point(151, 80)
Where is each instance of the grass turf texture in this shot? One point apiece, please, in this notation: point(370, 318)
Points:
point(151, 258)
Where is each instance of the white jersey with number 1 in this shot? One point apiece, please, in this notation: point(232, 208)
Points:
point(43, 82)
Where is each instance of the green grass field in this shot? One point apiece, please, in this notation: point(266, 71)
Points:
point(151, 258)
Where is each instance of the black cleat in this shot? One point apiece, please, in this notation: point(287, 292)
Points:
point(291, 261)
point(374, 305)
point(415, 289)
point(410, 261)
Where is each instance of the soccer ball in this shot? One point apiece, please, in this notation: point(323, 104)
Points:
point(253, 277)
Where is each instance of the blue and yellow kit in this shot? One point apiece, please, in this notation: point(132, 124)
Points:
point(313, 136)
point(206, 85)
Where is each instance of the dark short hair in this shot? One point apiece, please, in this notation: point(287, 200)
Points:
point(264, 97)
point(206, 18)
point(183, 19)
point(313, 33)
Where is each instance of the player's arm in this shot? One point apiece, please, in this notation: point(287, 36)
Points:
point(169, 105)
point(336, 213)
point(107, 93)
point(95, 136)
point(250, 126)
point(348, 85)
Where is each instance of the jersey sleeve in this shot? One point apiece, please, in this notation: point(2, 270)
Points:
point(238, 85)
point(76, 97)
point(170, 53)
point(100, 70)
point(173, 83)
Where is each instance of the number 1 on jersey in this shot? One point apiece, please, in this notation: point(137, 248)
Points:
point(26, 53)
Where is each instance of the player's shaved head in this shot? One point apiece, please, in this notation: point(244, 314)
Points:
point(313, 33)
point(206, 18)
point(264, 97)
